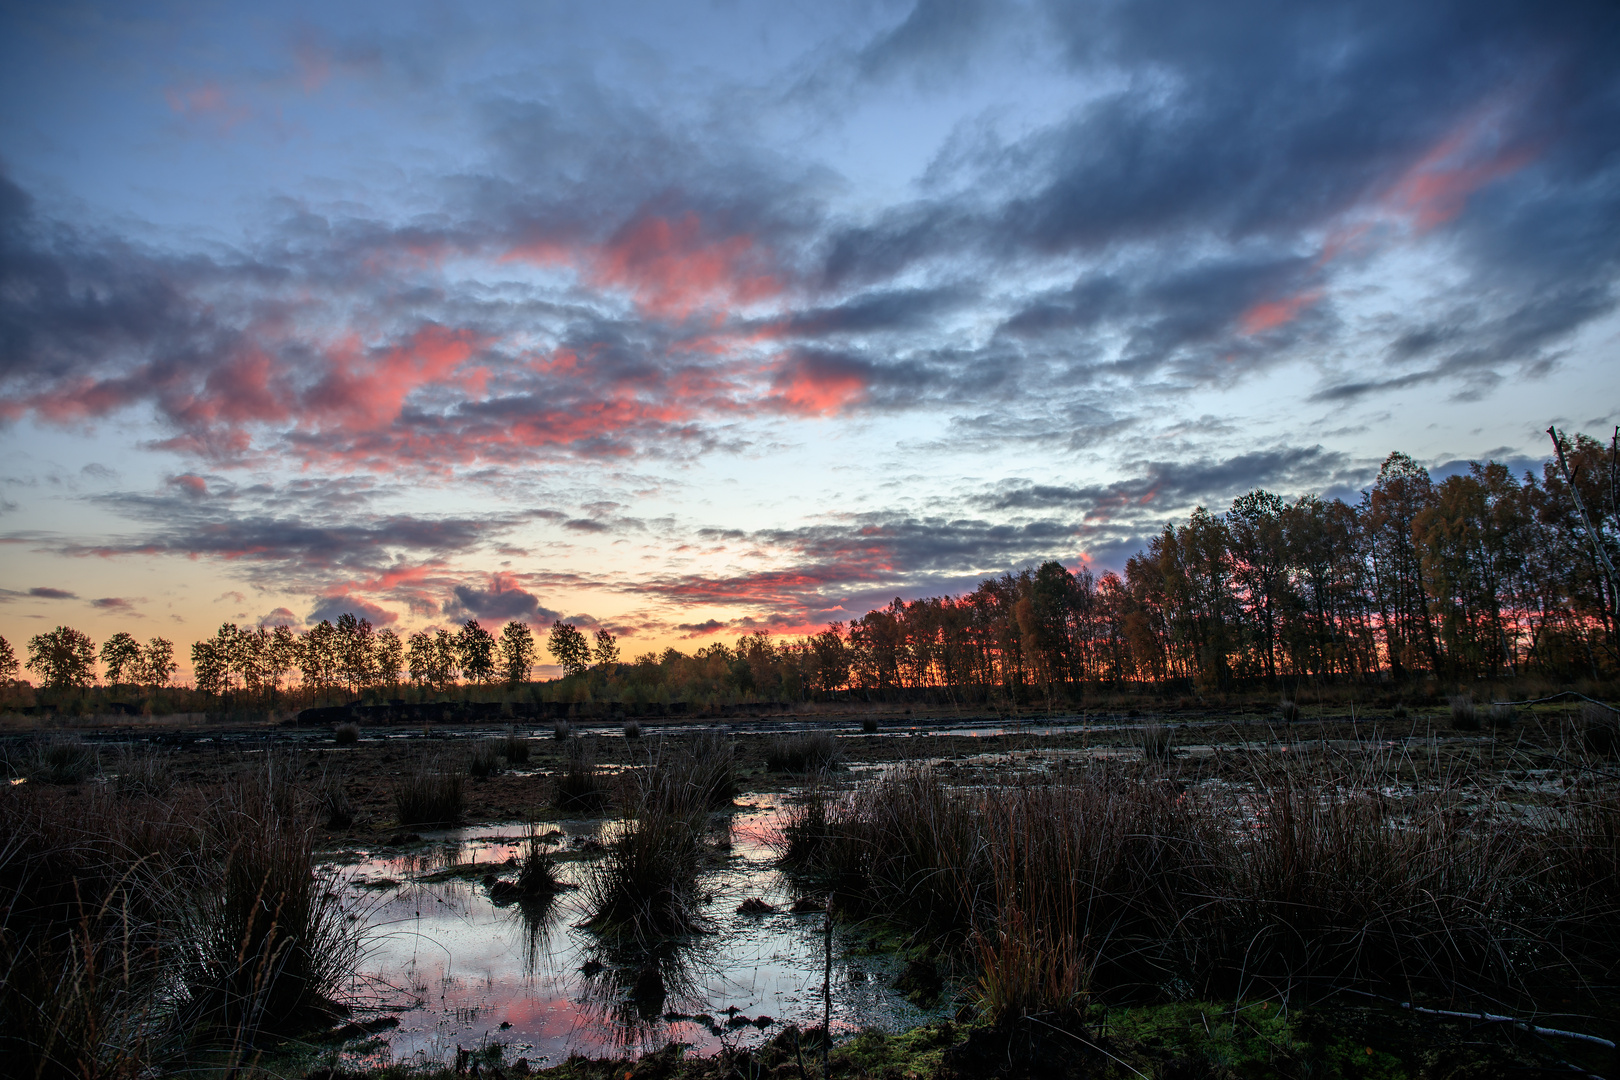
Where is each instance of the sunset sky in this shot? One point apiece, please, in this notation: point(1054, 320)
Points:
point(686, 319)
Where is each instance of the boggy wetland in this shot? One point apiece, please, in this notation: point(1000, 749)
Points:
point(1192, 892)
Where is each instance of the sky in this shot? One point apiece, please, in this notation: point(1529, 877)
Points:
point(687, 320)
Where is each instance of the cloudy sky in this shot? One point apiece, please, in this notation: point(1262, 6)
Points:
point(690, 318)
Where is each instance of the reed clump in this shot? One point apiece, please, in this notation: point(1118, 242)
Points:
point(1464, 714)
point(271, 948)
point(1288, 710)
point(813, 751)
point(582, 785)
point(333, 803)
point(514, 747)
point(632, 729)
point(347, 734)
point(1156, 742)
point(429, 792)
point(561, 729)
point(142, 771)
point(696, 771)
point(1600, 729)
point(62, 759)
point(645, 886)
point(485, 759)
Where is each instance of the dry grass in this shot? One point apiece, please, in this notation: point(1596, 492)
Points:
point(1156, 742)
point(142, 771)
point(62, 759)
point(1303, 875)
point(632, 730)
point(138, 932)
point(272, 948)
point(346, 734)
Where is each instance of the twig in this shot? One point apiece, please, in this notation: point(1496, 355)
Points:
point(1491, 1018)
point(1087, 1042)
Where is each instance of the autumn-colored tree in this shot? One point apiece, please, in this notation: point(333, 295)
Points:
point(8, 663)
point(63, 658)
point(517, 653)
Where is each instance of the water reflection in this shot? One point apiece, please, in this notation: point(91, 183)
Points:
point(466, 969)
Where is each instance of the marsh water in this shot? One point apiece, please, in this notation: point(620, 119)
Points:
point(461, 971)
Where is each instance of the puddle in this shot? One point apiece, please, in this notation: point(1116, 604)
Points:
point(462, 971)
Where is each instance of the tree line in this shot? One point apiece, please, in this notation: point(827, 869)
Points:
point(1481, 575)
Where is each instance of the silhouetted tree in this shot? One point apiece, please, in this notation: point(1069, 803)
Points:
point(568, 647)
point(516, 652)
point(121, 656)
point(64, 658)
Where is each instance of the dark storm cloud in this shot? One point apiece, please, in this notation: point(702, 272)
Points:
point(334, 608)
point(501, 600)
point(1177, 485)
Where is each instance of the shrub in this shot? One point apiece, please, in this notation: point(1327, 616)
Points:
point(632, 730)
point(428, 793)
point(561, 730)
point(809, 752)
point(581, 786)
point(63, 759)
point(869, 725)
point(485, 760)
point(515, 747)
point(347, 734)
point(1464, 716)
point(1288, 709)
point(1156, 742)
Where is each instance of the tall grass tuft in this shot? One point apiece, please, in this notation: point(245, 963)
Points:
point(62, 759)
point(143, 771)
point(346, 734)
point(645, 886)
point(1600, 729)
point(271, 949)
point(561, 729)
point(92, 890)
point(1464, 715)
point(332, 802)
point(1502, 717)
point(485, 759)
point(701, 770)
point(1288, 709)
point(515, 747)
point(869, 725)
point(809, 752)
point(429, 792)
point(582, 785)
point(632, 729)
point(1156, 742)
